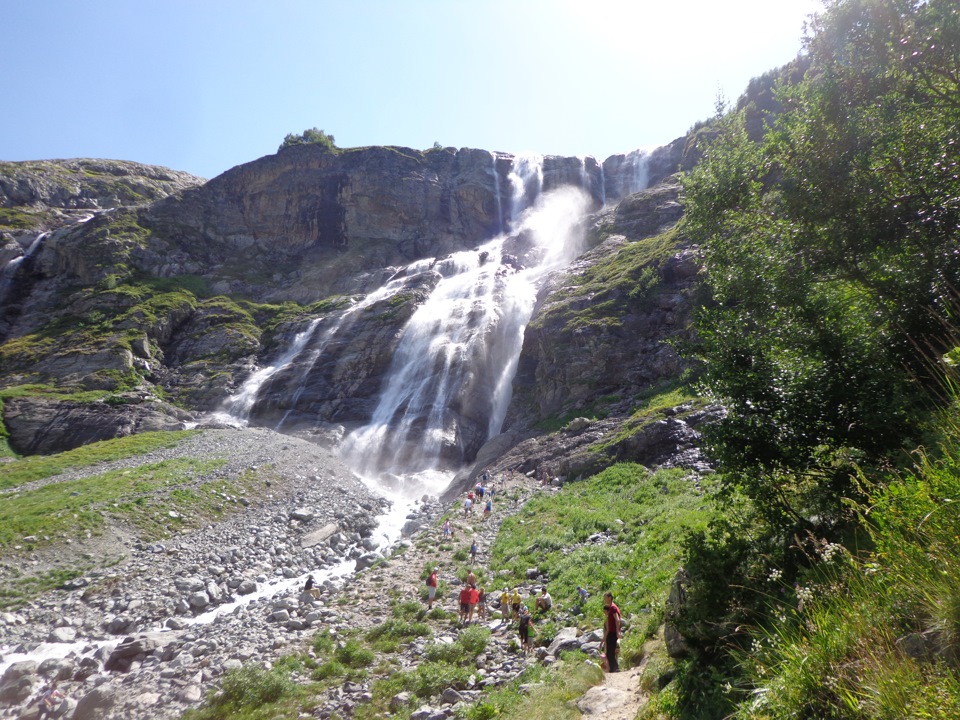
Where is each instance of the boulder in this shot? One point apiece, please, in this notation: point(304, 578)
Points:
point(44, 426)
point(565, 639)
point(96, 704)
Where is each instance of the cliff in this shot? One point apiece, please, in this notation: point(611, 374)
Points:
point(157, 309)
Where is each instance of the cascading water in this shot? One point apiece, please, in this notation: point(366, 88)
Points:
point(303, 352)
point(526, 180)
point(455, 361)
point(496, 192)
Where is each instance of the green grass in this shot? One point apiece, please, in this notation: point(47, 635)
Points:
point(252, 693)
point(550, 697)
point(38, 467)
point(23, 589)
point(643, 516)
point(141, 496)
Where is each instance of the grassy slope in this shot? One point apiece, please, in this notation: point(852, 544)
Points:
point(152, 500)
point(645, 515)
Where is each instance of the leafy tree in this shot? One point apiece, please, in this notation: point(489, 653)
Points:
point(829, 235)
point(830, 247)
point(313, 136)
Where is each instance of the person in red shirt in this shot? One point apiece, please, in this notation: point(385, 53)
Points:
point(611, 631)
point(473, 597)
point(431, 588)
point(464, 603)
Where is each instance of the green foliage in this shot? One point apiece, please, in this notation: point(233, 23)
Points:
point(832, 271)
point(828, 230)
point(388, 635)
point(312, 136)
point(37, 467)
point(836, 645)
point(641, 518)
point(548, 695)
point(354, 655)
point(472, 641)
point(70, 508)
point(251, 693)
point(623, 282)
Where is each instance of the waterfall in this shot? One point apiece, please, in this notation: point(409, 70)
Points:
point(237, 407)
point(8, 276)
point(639, 163)
point(303, 352)
point(457, 355)
point(526, 180)
point(603, 186)
point(496, 192)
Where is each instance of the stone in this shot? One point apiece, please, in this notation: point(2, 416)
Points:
point(118, 625)
point(16, 689)
point(400, 700)
point(198, 600)
point(601, 701)
point(96, 704)
point(565, 639)
point(56, 668)
point(451, 696)
point(302, 515)
point(191, 694)
point(62, 635)
point(316, 537)
point(246, 587)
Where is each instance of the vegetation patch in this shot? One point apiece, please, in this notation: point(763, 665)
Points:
point(144, 496)
point(548, 692)
point(253, 693)
point(618, 531)
point(37, 467)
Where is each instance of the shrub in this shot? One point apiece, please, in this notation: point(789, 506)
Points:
point(313, 136)
point(354, 655)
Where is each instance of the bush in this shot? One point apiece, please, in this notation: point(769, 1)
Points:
point(251, 686)
point(313, 136)
point(354, 655)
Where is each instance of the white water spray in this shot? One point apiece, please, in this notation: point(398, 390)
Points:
point(458, 353)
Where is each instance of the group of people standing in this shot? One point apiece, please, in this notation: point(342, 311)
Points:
point(482, 494)
point(473, 599)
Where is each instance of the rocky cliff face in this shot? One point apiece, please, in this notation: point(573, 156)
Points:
point(179, 297)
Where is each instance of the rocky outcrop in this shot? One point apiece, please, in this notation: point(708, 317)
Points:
point(604, 325)
point(42, 425)
point(149, 297)
point(41, 195)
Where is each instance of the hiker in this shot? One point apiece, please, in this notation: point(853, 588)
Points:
point(447, 532)
point(544, 602)
point(310, 588)
point(485, 477)
point(515, 601)
point(464, 603)
point(471, 579)
point(432, 588)
point(467, 507)
point(473, 551)
point(487, 509)
point(525, 628)
point(482, 604)
point(612, 632)
point(50, 702)
point(505, 603)
point(480, 490)
point(583, 594)
point(473, 598)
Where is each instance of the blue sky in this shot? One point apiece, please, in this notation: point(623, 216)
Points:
point(203, 85)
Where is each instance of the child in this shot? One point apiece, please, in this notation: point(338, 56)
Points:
point(526, 627)
point(482, 604)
